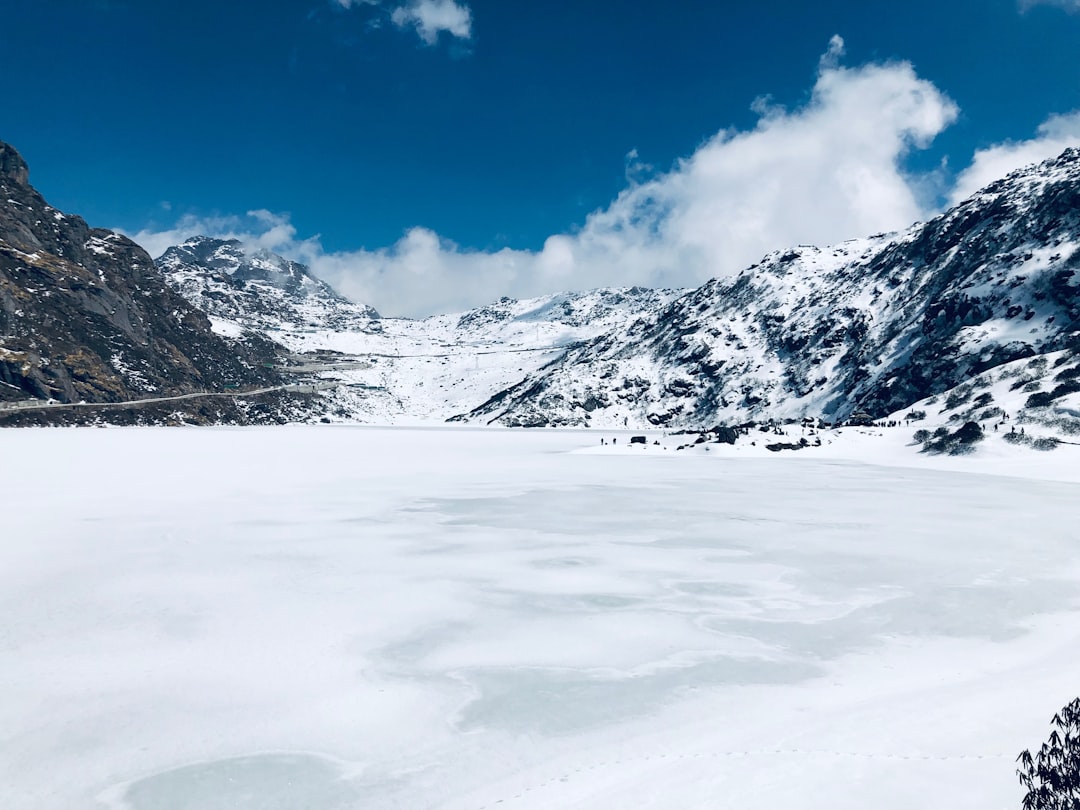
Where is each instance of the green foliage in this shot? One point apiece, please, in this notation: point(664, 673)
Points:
point(1038, 365)
point(957, 397)
point(1068, 374)
point(1045, 398)
point(959, 442)
point(1045, 443)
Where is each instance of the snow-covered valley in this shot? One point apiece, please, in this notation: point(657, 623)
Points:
point(377, 370)
point(344, 617)
point(870, 326)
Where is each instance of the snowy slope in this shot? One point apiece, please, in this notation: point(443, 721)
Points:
point(869, 325)
point(86, 318)
point(1033, 403)
point(430, 369)
point(389, 370)
point(257, 289)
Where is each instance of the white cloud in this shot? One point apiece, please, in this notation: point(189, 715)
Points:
point(1054, 136)
point(826, 171)
point(829, 170)
point(831, 58)
point(1068, 5)
point(822, 173)
point(431, 17)
point(258, 230)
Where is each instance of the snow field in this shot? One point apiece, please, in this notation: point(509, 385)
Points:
point(342, 617)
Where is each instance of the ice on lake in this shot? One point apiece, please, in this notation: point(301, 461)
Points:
point(352, 618)
point(260, 782)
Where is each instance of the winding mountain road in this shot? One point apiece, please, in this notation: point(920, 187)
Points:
point(33, 405)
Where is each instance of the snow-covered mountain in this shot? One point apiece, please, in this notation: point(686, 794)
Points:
point(870, 325)
point(373, 369)
point(431, 369)
point(257, 288)
point(978, 309)
point(86, 319)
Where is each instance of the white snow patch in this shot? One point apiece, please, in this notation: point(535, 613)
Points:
point(347, 617)
point(225, 327)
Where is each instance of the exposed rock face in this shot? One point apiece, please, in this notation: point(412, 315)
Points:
point(12, 167)
point(257, 288)
point(85, 315)
point(869, 325)
point(375, 369)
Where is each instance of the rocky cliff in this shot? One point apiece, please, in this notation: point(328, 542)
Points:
point(86, 316)
point(872, 325)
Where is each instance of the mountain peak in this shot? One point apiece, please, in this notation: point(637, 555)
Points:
point(1071, 155)
point(12, 165)
point(228, 279)
point(201, 239)
point(1064, 167)
point(87, 319)
point(872, 325)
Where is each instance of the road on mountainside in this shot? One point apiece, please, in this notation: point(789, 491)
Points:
point(308, 368)
point(357, 364)
point(33, 405)
point(560, 348)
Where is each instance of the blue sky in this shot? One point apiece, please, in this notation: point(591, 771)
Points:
point(433, 154)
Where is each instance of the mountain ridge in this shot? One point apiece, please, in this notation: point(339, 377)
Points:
point(86, 317)
point(225, 279)
point(868, 325)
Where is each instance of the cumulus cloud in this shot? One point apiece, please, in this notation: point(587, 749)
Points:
point(1054, 136)
point(429, 18)
point(258, 230)
point(432, 17)
point(825, 171)
point(792, 179)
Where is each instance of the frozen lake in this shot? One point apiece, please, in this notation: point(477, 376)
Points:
point(331, 617)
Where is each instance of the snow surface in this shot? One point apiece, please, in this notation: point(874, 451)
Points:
point(390, 370)
point(426, 371)
point(347, 617)
point(868, 325)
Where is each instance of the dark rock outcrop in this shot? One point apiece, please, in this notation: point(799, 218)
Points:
point(86, 316)
point(258, 288)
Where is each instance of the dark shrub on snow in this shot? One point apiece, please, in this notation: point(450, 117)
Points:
point(1051, 776)
point(726, 435)
point(959, 442)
